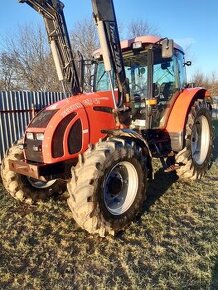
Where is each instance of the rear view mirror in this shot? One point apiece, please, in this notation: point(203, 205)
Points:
point(167, 48)
point(188, 63)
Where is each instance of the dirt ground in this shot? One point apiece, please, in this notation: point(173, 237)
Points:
point(173, 245)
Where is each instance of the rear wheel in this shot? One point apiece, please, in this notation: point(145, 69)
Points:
point(23, 188)
point(195, 158)
point(108, 187)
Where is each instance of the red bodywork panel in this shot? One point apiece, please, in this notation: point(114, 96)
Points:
point(178, 111)
point(89, 109)
point(94, 110)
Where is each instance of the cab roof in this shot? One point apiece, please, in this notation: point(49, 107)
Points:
point(148, 39)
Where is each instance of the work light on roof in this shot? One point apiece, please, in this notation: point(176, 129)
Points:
point(137, 45)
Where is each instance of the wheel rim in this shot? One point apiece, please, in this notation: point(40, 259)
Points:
point(200, 140)
point(120, 188)
point(40, 184)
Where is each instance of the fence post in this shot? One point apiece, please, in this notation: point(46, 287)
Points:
point(33, 110)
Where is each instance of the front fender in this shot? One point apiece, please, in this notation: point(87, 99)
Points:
point(129, 134)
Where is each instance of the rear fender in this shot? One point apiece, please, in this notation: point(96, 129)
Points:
point(177, 119)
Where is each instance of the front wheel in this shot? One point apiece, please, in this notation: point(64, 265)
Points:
point(23, 188)
point(108, 187)
point(195, 158)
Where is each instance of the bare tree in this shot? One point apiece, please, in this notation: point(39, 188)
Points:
point(84, 39)
point(26, 62)
point(140, 27)
point(7, 72)
point(213, 84)
point(30, 61)
point(199, 79)
point(209, 82)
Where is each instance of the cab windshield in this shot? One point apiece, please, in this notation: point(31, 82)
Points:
point(168, 75)
point(136, 72)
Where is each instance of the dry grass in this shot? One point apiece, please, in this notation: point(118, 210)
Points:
point(174, 245)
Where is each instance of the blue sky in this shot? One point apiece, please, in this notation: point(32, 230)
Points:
point(191, 23)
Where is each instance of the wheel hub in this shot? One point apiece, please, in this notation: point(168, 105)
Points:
point(120, 188)
point(115, 185)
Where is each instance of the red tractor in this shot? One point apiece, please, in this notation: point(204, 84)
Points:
point(101, 144)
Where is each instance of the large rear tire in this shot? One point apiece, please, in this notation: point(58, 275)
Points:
point(26, 189)
point(108, 187)
point(196, 158)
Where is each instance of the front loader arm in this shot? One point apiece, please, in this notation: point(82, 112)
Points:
point(106, 22)
point(52, 12)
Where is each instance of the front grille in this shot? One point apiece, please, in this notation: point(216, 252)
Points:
point(32, 155)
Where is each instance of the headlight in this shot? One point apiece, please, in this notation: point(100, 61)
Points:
point(40, 136)
point(29, 136)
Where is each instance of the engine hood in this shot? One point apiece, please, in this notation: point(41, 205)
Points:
point(64, 129)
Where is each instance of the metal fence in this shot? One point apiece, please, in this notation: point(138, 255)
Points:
point(17, 109)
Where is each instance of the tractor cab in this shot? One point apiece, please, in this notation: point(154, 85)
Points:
point(155, 77)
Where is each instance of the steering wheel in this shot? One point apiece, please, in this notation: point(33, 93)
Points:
point(140, 90)
point(156, 89)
